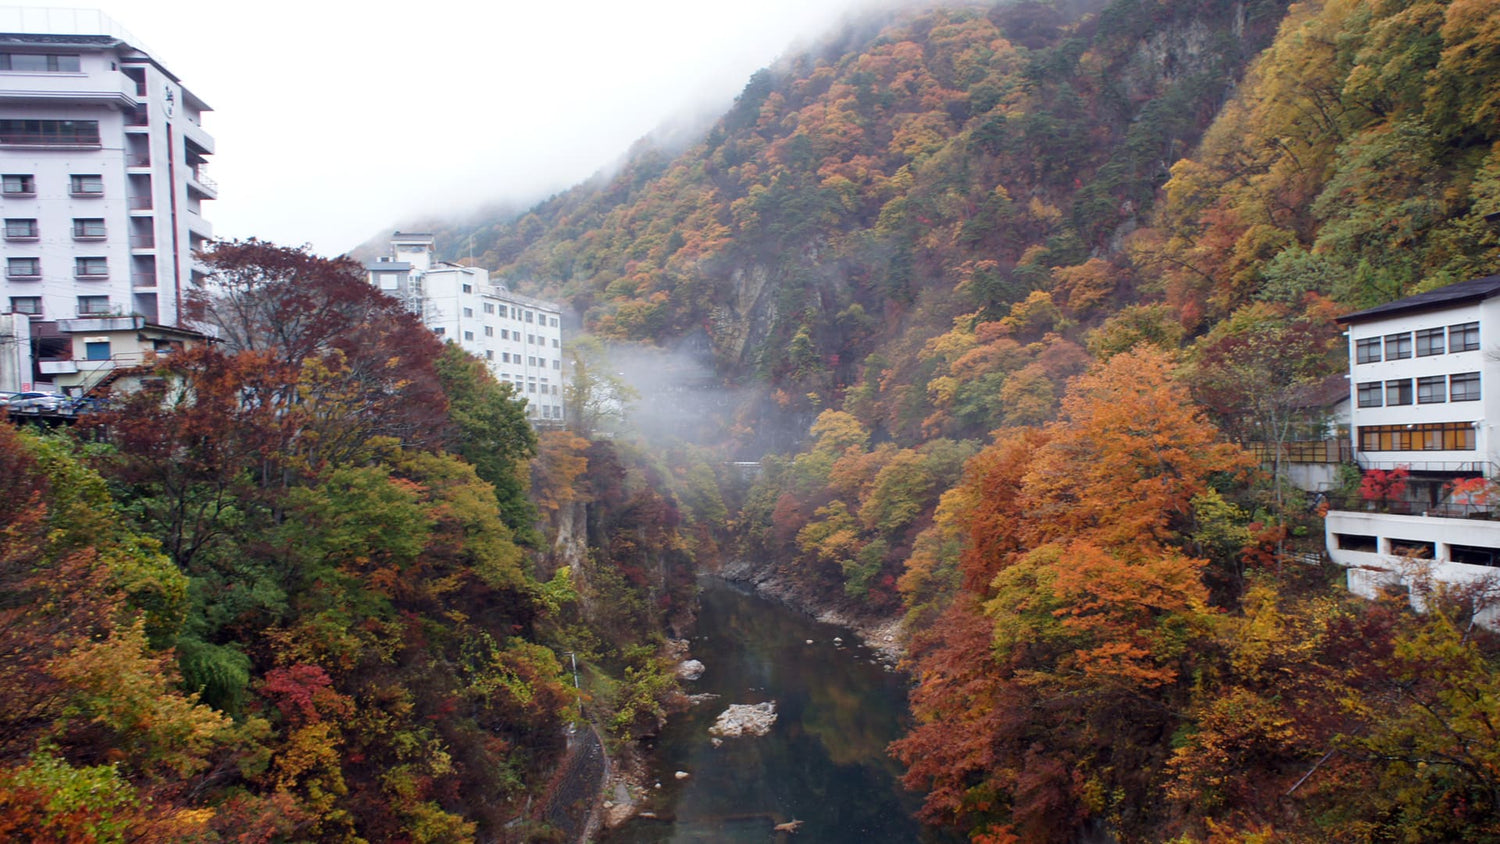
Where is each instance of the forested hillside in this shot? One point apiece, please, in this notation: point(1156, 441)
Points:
point(1024, 278)
point(296, 587)
point(1023, 273)
point(859, 198)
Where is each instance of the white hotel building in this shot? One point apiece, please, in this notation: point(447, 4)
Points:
point(102, 160)
point(1425, 388)
point(518, 336)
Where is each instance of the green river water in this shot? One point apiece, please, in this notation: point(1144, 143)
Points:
point(824, 761)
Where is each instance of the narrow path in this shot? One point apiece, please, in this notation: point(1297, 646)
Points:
point(573, 805)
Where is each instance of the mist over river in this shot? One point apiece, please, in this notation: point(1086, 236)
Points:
point(823, 763)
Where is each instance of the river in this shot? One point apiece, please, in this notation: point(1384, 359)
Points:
point(824, 761)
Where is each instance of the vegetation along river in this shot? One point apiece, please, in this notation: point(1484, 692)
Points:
point(824, 761)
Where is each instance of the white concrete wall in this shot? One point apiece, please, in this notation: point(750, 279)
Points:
point(1478, 413)
point(173, 216)
point(1370, 571)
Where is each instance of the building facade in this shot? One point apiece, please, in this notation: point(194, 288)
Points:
point(103, 162)
point(519, 337)
point(1423, 404)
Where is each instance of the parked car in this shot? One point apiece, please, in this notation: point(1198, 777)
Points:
point(6, 396)
point(33, 401)
point(86, 404)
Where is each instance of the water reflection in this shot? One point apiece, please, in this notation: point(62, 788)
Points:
point(823, 763)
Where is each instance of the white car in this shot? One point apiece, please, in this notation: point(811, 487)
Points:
point(33, 401)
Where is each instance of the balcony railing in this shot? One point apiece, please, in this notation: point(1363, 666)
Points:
point(50, 139)
point(91, 273)
point(143, 279)
point(143, 241)
point(22, 273)
point(141, 203)
point(200, 176)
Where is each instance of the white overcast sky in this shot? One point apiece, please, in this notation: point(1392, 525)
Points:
point(336, 121)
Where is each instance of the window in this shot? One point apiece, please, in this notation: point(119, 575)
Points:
point(20, 229)
point(468, 335)
point(40, 62)
point(1367, 351)
point(1398, 346)
point(554, 389)
point(556, 344)
point(90, 268)
point(505, 357)
point(50, 132)
point(489, 331)
point(23, 267)
point(489, 354)
point(1463, 338)
point(18, 184)
point(531, 338)
point(552, 321)
point(557, 364)
point(1398, 392)
point(468, 312)
point(440, 331)
point(531, 388)
point(86, 185)
point(389, 281)
point(1430, 342)
point(1464, 387)
point(528, 316)
point(489, 307)
point(93, 305)
point(96, 350)
point(515, 313)
point(469, 288)
point(1432, 390)
point(1449, 436)
point(530, 361)
point(88, 228)
point(505, 334)
point(26, 305)
point(1370, 394)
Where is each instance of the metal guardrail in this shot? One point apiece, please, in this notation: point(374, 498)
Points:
point(1305, 451)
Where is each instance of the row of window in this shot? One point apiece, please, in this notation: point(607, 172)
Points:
point(49, 132)
point(507, 334)
point(1463, 386)
point(24, 184)
point(87, 305)
point(507, 357)
point(1428, 341)
point(531, 387)
point(26, 228)
point(513, 312)
point(1448, 436)
point(30, 268)
point(551, 411)
point(40, 62)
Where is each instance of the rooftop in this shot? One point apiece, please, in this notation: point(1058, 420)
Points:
point(60, 23)
point(1462, 292)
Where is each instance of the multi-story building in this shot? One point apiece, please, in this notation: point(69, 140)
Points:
point(102, 159)
point(1423, 381)
point(518, 336)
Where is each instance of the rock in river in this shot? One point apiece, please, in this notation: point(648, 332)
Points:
point(690, 669)
point(745, 719)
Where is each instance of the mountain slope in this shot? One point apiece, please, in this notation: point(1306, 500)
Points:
point(863, 195)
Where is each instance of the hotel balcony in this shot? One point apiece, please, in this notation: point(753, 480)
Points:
point(199, 182)
point(70, 89)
